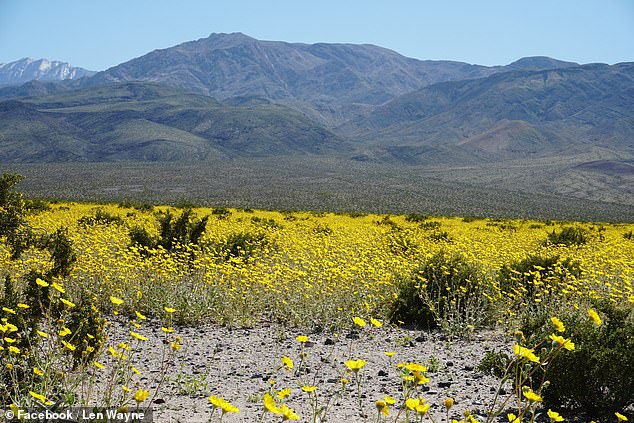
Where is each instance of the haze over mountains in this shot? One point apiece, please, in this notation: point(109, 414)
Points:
point(232, 96)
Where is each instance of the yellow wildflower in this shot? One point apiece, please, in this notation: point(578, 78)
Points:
point(355, 365)
point(287, 362)
point(594, 316)
point(621, 417)
point(554, 416)
point(558, 324)
point(358, 321)
point(138, 336)
point(287, 413)
point(116, 301)
point(141, 395)
point(270, 404)
point(560, 341)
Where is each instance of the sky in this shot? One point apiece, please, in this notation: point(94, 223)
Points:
point(99, 34)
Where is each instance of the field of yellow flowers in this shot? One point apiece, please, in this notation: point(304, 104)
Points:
point(307, 269)
point(304, 271)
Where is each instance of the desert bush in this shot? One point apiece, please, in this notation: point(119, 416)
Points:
point(430, 226)
point(221, 212)
point(415, 217)
point(597, 377)
point(240, 245)
point(523, 279)
point(266, 222)
point(568, 236)
point(440, 236)
point(322, 229)
point(174, 233)
point(446, 291)
point(36, 205)
point(100, 218)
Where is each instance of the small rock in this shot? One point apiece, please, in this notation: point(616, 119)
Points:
point(353, 335)
point(382, 373)
point(329, 341)
point(444, 384)
point(159, 401)
point(468, 368)
point(420, 338)
point(450, 363)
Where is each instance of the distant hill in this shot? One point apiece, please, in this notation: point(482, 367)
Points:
point(150, 122)
point(27, 69)
point(331, 82)
point(537, 125)
point(510, 115)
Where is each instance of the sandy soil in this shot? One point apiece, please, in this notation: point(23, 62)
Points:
point(237, 364)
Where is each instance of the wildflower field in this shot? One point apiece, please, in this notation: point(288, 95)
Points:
point(80, 311)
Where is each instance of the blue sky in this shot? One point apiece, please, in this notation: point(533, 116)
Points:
point(100, 34)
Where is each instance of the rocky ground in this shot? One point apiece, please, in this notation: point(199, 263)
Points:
point(238, 364)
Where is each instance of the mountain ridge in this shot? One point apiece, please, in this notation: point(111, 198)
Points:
point(26, 69)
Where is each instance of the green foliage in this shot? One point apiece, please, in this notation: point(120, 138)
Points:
point(494, 363)
point(415, 217)
point(322, 229)
point(568, 236)
point(627, 235)
point(526, 277)
point(597, 377)
point(60, 247)
point(241, 245)
point(12, 210)
point(35, 206)
point(446, 291)
point(430, 226)
point(265, 222)
point(100, 218)
point(174, 233)
point(221, 212)
point(87, 324)
point(440, 236)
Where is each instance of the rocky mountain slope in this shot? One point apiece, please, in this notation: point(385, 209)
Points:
point(27, 69)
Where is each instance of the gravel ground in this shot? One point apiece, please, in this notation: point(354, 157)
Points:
point(237, 364)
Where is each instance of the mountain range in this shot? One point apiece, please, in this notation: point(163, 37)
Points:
point(230, 96)
point(27, 69)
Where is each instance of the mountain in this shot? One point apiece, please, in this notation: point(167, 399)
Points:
point(330, 82)
point(27, 69)
point(511, 115)
point(150, 122)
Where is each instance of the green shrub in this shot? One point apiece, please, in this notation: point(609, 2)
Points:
point(221, 212)
point(568, 236)
point(322, 229)
point(36, 205)
point(446, 291)
point(430, 226)
point(415, 217)
point(521, 281)
point(175, 232)
point(241, 245)
point(440, 236)
point(180, 231)
point(60, 247)
point(494, 363)
point(265, 222)
point(100, 218)
point(597, 377)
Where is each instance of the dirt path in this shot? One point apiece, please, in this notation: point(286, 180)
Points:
point(237, 364)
